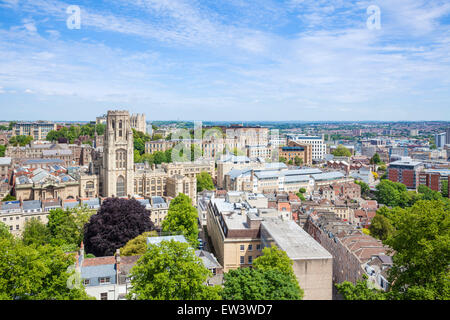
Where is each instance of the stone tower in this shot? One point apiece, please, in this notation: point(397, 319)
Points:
point(138, 122)
point(118, 156)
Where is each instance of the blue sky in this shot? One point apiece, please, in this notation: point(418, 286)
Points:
point(226, 60)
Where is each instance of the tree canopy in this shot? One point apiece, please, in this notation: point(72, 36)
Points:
point(116, 222)
point(204, 181)
point(272, 278)
point(171, 271)
point(36, 273)
point(380, 227)
point(255, 284)
point(20, 140)
point(375, 159)
point(360, 291)
point(138, 245)
point(73, 132)
point(341, 151)
point(422, 251)
point(182, 217)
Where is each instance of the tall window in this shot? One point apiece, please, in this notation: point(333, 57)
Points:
point(120, 187)
point(121, 159)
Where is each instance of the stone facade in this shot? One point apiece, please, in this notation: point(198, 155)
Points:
point(118, 156)
point(137, 122)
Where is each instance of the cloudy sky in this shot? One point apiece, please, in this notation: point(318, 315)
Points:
point(226, 60)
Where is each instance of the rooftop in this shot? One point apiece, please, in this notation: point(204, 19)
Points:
point(295, 241)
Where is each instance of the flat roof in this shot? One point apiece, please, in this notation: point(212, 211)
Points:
point(295, 241)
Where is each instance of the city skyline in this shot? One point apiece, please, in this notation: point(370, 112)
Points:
point(226, 60)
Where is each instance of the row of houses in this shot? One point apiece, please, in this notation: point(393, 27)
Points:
point(15, 214)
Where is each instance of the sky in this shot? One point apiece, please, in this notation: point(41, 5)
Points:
point(226, 60)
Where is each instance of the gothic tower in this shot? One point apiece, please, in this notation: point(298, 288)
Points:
point(118, 156)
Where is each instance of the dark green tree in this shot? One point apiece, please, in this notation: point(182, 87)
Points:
point(380, 227)
point(375, 159)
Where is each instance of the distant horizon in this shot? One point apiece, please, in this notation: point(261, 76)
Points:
point(245, 121)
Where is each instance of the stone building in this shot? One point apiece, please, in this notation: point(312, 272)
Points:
point(120, 176)
point(137, 122)
point(350, 248)
point(117, 172)
point(295, 149)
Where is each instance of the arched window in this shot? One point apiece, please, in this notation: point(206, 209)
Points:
point(120, 187)
point(89, 185)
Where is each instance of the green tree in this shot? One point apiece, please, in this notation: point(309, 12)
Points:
point(444, 188)
point(171, 271)
point(274, 258)
point(375, 159)
point(35, 233)
point(182, 218)
point(393, 194)
point(365, 189)
point(254, 284)
point(138, 245)
point(360, 291)
point(380, 227)
point(67, 226)
point(204, 182)
point(20, 140)
point(4, 232)
point(2, 150)
point(422, 251)
point(429, 194)
point(298, 161)
point(36, 273)
point(341, 151)
point(9, 198)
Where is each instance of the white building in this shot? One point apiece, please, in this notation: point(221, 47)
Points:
point(317, 142)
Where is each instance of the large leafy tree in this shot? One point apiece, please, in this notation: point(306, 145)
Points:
point(360, 291)
point(429, 194)
point(20, 140)
point(204, 181)
point(341, 151)
point(380, 227)
point(422, 251)
point(138, 245)
point(255, 284)
point(375, 159)
point(117, 222)
point(444, 189)
point(67, 226)
point(272, 278)
point(182, 217)
point(36, 273)
point(4, 232)
point(395, 194)
point(274, 258)
point(171, 271)
point(36, 233)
